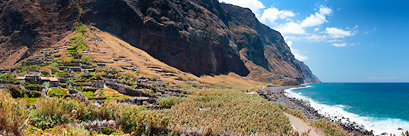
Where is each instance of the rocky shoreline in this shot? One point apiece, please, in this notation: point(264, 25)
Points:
point(277, 94)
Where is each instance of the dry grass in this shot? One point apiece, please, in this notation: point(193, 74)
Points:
point(13, 114)
point(329, 128)
point(229, 111)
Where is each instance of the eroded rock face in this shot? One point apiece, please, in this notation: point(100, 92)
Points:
point(198, 36)
point(260, 44)
point(181, 33)
point(309, 77)
point(35, 22)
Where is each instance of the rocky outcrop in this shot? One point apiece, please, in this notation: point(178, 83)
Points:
point(33, 23)
point(309, 77)
point(36, 22)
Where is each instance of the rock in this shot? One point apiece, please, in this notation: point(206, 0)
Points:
point(99, 94)
point(111, 124)
point(384, 133)
point(400, 128)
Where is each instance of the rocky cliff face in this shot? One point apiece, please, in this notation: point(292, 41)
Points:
point(309, 77)
point(197, 36)
point(181, 33)
point(33, 23)
point(262, 45)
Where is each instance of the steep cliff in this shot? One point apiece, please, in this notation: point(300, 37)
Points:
point(181, 33)
point(197, 36)
point(262, 46)
point(309, 77)
point(33, 23)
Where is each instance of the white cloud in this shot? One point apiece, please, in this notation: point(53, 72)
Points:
point(254, 5)
point(298, 27)
point(296, 52)
point(318, 18)
point(300, 57)
point(291, 27)
point(338, 33)
point(316, 38)
point(315, 19)
point(339, 44)
point(289, 43)
point(272, 14)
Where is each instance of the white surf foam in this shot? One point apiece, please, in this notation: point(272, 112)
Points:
point(336, 112)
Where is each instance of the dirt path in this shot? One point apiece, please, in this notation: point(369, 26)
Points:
point(301, 126)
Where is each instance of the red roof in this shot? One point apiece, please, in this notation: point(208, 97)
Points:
point(44, 78)
point(53, 78)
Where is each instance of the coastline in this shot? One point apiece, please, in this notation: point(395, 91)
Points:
point(277, 94)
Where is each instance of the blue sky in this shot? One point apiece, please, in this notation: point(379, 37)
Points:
point(342, 40)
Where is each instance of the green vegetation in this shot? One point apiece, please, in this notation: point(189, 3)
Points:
point(8, 77)
point(169, 101)
point(89, 94)
point(13, 114)
point(229, 111)
point(329, 128)
point(30, 100)
point(57, 93)
point(54, 111)
point(113, 95)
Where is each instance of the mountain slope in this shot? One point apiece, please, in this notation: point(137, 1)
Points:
point(309, 77)
point(181, 34)
point(203, 37)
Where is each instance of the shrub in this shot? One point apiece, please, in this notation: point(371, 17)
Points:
point(107, 131)
point(33, 94)
point(52, 111)
point(329, 128)
point(8, 77)
point(89, 94)
point(169, 101)
point(16, 92)
point(70, 130)
point(57, 93)
point(13, 114)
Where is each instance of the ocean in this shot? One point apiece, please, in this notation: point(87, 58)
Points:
point(381, 107)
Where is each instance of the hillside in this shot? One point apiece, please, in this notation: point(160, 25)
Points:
point(309, 77)
point(202, 37)
point(106, 86)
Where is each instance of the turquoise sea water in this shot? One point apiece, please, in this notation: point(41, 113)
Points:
point(382, 107)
